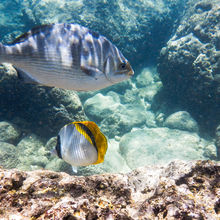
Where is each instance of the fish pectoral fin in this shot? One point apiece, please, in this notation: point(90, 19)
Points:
point(74, 169)
point(90, 70)
point(26, 77)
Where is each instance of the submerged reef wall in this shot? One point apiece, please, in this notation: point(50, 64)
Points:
point(42, 109)
point(179, 190)
point(189, 65)
point(139, 27)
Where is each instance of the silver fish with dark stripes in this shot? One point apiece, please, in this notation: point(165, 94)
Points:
point(67, 56)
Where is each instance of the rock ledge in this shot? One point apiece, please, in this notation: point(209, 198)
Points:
point(179, 190)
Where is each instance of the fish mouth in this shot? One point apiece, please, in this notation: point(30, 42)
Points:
point(131, 72)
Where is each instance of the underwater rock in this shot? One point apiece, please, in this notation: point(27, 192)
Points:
point(115, 118)
point(217, 141)
point(181, 120)
point(179, 190)
point(133, 26)
point(189, 65)
point(45, 109)
point(8, 155)
point(9, 133)
point(148, 84)
point(31, 153)
point(100, 106)
point(210, 151)
point(161, 145)
point(124, 119)
point(146, 77)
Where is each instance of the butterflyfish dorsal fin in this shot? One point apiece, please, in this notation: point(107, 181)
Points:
point(99, 138)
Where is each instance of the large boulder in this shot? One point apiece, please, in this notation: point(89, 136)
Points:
point(181, 120)
point(179, 190)
point(189, 65)
point(8, 155)
point(161, 145)
point(133, 26)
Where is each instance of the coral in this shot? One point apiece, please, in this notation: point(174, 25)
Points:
point(189, 65)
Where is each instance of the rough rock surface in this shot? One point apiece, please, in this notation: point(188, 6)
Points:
point(181, 120)
point(217, 141)
point(9, 133)
point(189, 65)
point(135, 26)
point(45, 110)
point(8, 155)
point(180, 190)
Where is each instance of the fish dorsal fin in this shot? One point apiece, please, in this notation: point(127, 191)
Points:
point(32, 32)
point(99, 138)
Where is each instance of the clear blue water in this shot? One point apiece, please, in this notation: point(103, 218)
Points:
point(143, 127)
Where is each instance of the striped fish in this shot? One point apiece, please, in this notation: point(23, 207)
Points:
point(81, 144)
point(67, 56)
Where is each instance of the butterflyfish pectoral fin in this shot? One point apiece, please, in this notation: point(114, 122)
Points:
point(74, 169)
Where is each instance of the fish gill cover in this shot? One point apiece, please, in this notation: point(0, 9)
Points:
point(151, 116)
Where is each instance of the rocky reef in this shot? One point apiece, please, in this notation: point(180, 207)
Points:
point(189, 65)
point(179, 190)
point(42, 110)
point(134, 26)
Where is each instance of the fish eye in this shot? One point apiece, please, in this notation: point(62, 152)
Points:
point(122, 65)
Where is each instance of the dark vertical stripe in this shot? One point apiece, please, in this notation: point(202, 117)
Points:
point(76, 50)
point(89, 133)
point(58, 147)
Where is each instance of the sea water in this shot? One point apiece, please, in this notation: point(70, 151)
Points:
point(145, 123)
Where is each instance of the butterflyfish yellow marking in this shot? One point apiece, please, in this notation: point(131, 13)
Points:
point(100, 141)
